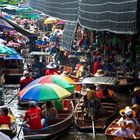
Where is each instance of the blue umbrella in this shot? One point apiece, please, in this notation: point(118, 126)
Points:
point(14, 56)
point(5, 50)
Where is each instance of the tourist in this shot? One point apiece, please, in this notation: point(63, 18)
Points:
point(33, 118)
point(4, 118)
point(123, 131)
point(25, 80)
point(51, 69)
point(49, 112)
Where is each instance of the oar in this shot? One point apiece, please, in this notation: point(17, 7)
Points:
point(13, 97)
point(93, 127)
point(20, 130)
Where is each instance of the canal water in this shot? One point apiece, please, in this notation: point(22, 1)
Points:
point(71, 133)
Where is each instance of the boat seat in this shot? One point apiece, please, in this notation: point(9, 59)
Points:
point(51, 122)
point(63, 111)
point(63, 115)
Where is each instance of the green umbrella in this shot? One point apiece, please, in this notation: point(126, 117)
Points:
point(5, 50)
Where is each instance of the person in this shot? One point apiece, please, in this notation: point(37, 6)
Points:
point(123, 131)
point(81, 69)
point(4, 118)
point(51, 69)
point(94, 105)
point(33, 118)
point(38, 68)
point(49, 112)
point(136, 109)
point(131, 121)
point(97, 65)
point(25, 80)
point(136, 96)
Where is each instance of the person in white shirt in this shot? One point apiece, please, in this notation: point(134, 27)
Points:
point(123, 131)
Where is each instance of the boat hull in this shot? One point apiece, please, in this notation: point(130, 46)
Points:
point(55, 127)
point(84, 123)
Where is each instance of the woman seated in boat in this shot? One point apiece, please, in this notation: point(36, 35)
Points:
point(4, 118)
point(123, 131)
point(131, 121)
point(50, 110)
point(33, 118)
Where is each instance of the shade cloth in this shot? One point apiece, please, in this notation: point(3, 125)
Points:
point(63, 9)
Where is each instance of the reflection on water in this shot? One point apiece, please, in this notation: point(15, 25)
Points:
point(81, 136)
point(70, 134)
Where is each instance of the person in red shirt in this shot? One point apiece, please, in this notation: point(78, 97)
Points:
point(51, 69)
point(26, 80)
point(97, 65)
point(4, 118)
point(32, 118)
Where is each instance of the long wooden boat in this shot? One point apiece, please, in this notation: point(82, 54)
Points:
point(56, 126)
point(101, 121)
point(113, 127)
point(11, 132)
point(110, 107)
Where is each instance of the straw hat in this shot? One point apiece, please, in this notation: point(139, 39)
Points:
point(127, 110)
point(51, 65)
point(99, 73)
point(137, 91)
point(135, 106)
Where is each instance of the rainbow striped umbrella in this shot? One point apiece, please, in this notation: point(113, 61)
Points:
point(43, 92)
point(60, 80)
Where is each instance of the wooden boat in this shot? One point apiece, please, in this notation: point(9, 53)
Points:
point(101, 121)
point(113, 127)
point(56, 126)
point(5, 128)
point(13, 69)
point(110, 108)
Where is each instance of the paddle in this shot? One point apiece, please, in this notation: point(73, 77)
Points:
point(13, 97)
point(93, 127)
point(20, 129)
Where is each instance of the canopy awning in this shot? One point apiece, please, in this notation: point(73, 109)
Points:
point(63, 9)
point(109, 15)
point(100, 80)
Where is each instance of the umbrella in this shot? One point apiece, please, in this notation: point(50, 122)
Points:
point(60, 80)
point(43, 92)
point(14, 56)
point(50, 20)
point(2, 41)
point(13, 44)
point(4, 24)
point(61, 22)
point(5, 50)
